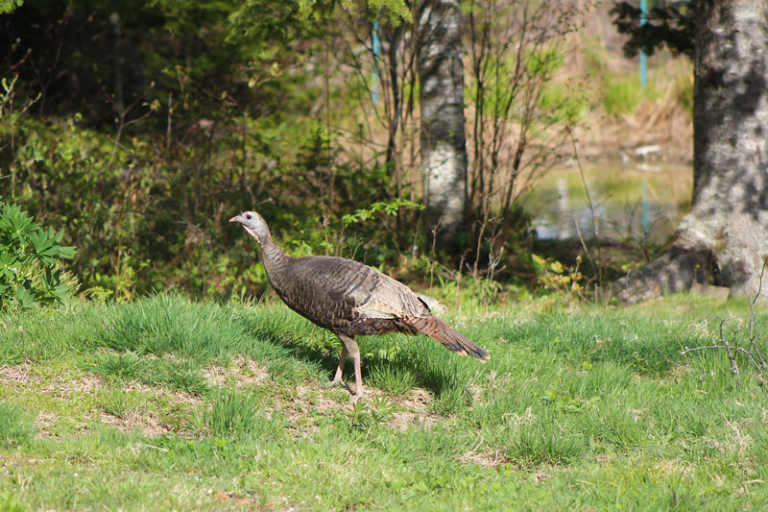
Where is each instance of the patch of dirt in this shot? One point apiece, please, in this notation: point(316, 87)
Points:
point(60, 387)
point(149, 425)
point(604, 459)
point(673, 467)
point(485, 460)
point(415, 411)
point(234, 499)
point(216, 375)
point(244, 372)
point(180, 397)
point(43, 424)
point(16, 374)
point(308, 402)
point(138, 386)
point(314, 398)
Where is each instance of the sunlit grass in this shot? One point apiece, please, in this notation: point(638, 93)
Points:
point(585, 409)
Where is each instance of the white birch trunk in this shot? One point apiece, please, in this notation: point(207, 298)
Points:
point(443, 141)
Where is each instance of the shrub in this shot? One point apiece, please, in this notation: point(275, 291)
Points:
point(30, 261)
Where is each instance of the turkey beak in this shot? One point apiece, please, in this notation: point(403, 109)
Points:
point(237, 218)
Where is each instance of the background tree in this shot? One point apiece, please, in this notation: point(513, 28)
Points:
point(155, 120)
point(672, 25)
point(725, 237)
point(443, 140)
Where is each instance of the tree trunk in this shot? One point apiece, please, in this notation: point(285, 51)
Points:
point(443, 142)
point(727, 228)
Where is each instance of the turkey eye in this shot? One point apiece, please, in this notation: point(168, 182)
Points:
point(248, 216)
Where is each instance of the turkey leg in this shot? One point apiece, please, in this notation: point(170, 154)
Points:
point(340, 369)
point(352, 349)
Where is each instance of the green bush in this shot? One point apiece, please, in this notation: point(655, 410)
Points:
point(563, 102)
point(622, 94)
point(30, 261)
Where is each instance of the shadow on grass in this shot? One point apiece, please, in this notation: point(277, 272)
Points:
point(394, 360)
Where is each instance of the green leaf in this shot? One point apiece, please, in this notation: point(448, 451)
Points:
point(30, 260)
point(15, 220)
point(7, 6)
point(25, 298)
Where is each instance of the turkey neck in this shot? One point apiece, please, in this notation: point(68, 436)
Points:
point(275, 261)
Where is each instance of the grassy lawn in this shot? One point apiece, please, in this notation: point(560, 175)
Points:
point(165, 403)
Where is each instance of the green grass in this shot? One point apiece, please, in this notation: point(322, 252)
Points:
point(15, 425)
point(393, 379)
point(583, 408)
point(234, 415)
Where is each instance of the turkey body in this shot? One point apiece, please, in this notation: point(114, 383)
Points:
point(345, 296)
point(349, 298)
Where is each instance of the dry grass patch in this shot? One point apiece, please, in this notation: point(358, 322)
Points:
point(309, 403)
point(673, 467)
point(414, 411)
point(43, 423)
point(17, 374)
point(61, 387)
point(484, 459)
point(148, 424)
point(244, 372)
point(178, 397)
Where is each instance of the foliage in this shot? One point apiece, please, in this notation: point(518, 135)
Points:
point(672, 25)
point(137, 129)
point(622, 94)
point(515, 50)
point(280, 19)
point(391, 209)
point(363, 416)
point(30, 261)
point(7, 6)
point(565, 103)
point(556, 276)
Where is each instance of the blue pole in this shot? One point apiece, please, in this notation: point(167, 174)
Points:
point(643, 56)
point(376, 53)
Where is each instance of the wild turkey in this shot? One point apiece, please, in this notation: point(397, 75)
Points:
point(349, 299)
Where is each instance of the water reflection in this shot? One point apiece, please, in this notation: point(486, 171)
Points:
point(630, 201)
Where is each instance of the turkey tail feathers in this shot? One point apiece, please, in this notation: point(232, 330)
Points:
point(449, 337)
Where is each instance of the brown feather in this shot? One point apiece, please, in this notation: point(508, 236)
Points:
point(448, 336)
point(350, 298)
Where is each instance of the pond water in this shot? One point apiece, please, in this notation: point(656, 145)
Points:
point(632, 201)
